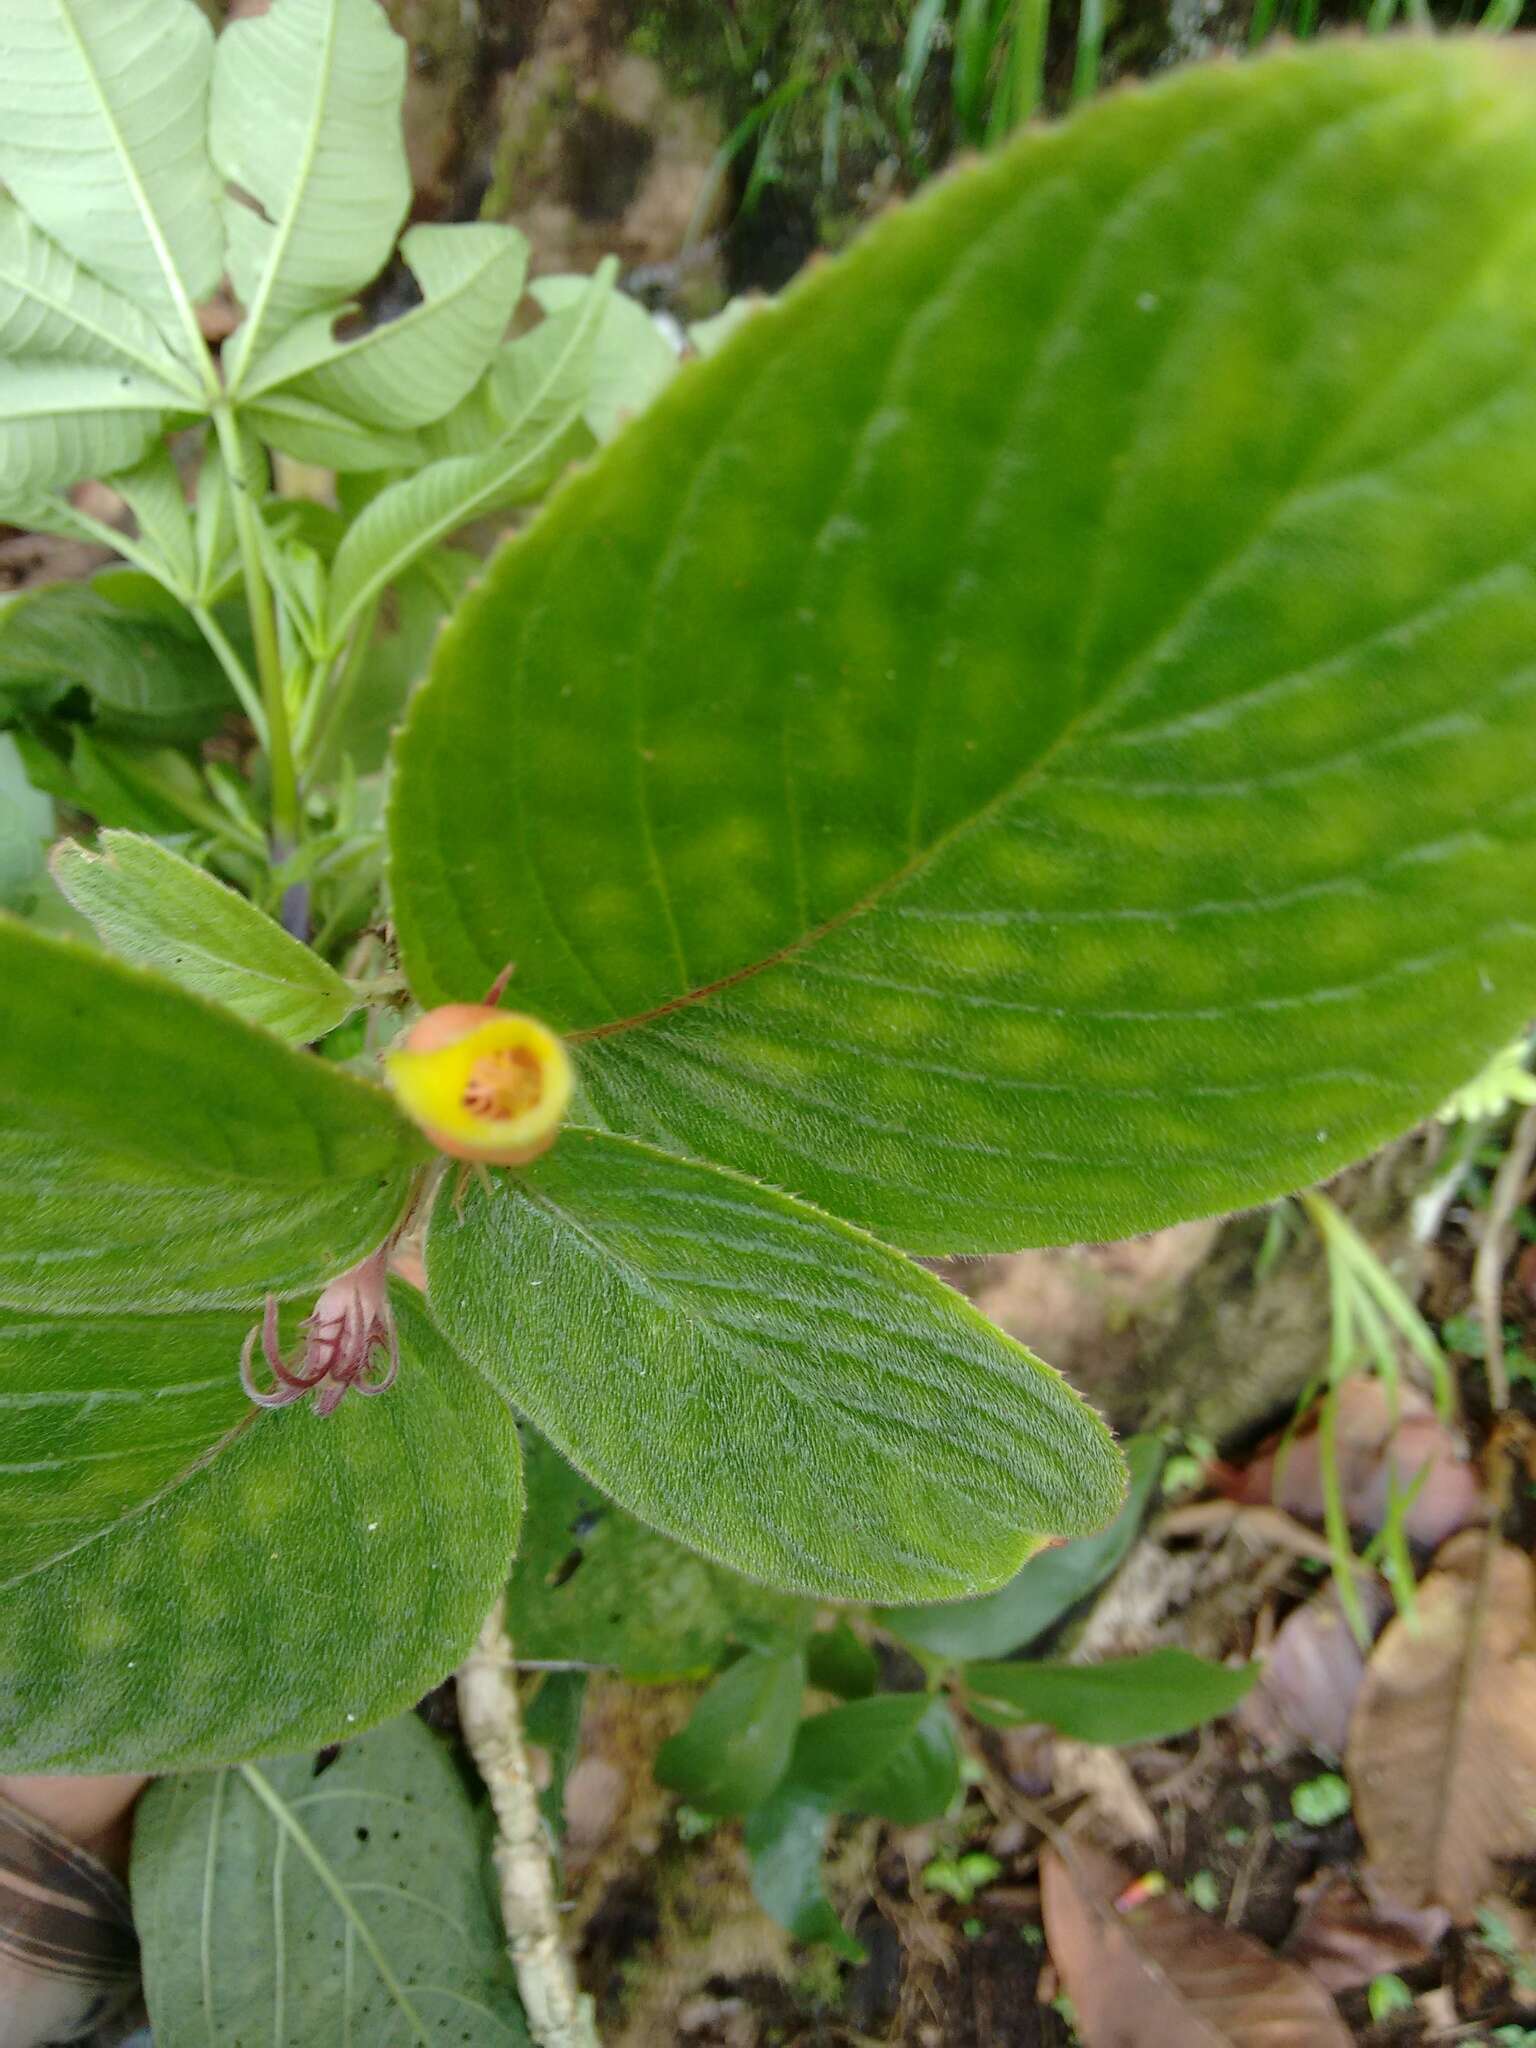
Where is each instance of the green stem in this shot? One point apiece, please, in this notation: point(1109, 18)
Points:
point(325, 710)
point(286, 820)
point(233, 667)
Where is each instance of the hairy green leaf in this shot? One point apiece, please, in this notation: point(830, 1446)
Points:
point(786, 1839)
point(305, 119)
point(760, 1381)
point(406, 372)
point(157, 1153)
point(893, 1755)
point(593, 1585)
point(155, 908)
point(736, 1746)
point(186, 1579)
point(103, 117)
point(1048, 744)
point(1129, 1699)
point(349, 1908)
point(525, 421)
point(1047, 1588)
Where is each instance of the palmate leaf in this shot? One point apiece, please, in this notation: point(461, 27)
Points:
point(158, 1154)
point(186, 1579)
point(761, 1382)
point(305, 120)
point(153, 907)
point(1036, 738)
point(406, 372)
point(66, 421)
point(507, 441)
point(139, 205)
point(277, 1907)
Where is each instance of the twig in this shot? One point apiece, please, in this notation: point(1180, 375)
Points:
point(1493, 1253)
point(559, 2015)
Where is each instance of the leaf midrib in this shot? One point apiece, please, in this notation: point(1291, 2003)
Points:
point(284, 230)
point(172, 276)
point(292, 1828)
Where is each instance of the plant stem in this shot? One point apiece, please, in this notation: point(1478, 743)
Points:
point(286, 821)
point(1493, 1254)
point(559, 2015)
point(325, 708)
point(234, 668)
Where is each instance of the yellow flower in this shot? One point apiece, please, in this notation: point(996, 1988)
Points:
point(484, 1084)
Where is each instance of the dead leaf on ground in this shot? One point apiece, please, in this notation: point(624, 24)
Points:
point(1163, 1975)
point(1350, 1929)
point(1371, 1451)
point(1442, 1748)
point(1311, 1674)
point(68, 1957)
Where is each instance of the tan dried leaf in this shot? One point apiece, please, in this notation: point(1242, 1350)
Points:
point(1442, 1747)
point(1162, 1975)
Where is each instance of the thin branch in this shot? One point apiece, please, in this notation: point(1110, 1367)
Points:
point(1493, 1253)
point(559, 2015)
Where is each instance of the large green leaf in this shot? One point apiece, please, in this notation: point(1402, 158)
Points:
point(103, 117)
point(305, 119)
point(737, 1743)
point(524, 423)
point(157, 1153)
point(1048, 1587)
point(153, 907)
point(1129, 1699)
point(760, 1381)
point(184, 1579)
point(593, 1585)
point(1036, 737)
point(278, 1907)
point(405, 372)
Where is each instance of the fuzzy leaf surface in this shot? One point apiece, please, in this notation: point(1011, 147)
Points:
point(136, 201)
point(1047, 1588)
point(758, 1380)
point(154, 908)
point(157, 1153)
point(593, 1585)
point(275, 1905)
point(187, 1580)
point(1035, 738)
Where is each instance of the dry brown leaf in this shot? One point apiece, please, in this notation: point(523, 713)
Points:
point(68, 1957)
point(1312, 1673)
point(1163, 1975)
point(1442, 1748)
point(1374, 1446)
point(1351, 1929)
